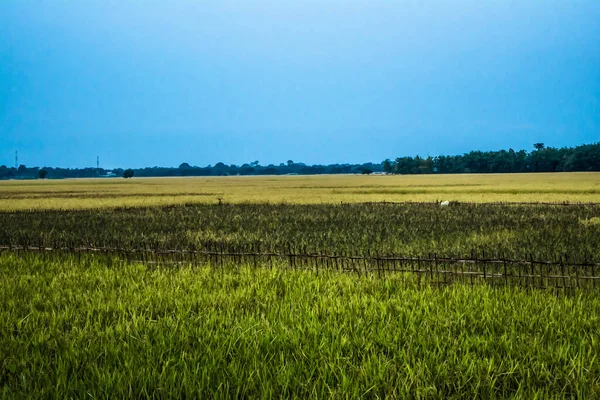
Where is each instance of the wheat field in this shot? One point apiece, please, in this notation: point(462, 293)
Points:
point(118, 192)
point(129, 323)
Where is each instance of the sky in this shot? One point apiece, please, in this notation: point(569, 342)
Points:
point(157, 83)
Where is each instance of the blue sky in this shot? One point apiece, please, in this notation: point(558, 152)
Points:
point(144, 83)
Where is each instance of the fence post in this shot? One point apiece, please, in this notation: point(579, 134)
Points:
point(542, 269)
point(532, 270)
point(505, 273)
point(576, 274)
point(474, 257)
point(222, 251)
point(564, 276)
point(437, 270)
point(255, 249)
point(484, 270)
point(594, 280)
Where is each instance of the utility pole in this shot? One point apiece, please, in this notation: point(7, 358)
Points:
point(98, 163)
point(16, 159)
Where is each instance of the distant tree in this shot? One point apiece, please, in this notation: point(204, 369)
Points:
point(42, 173)
point(269, 171)
point(246, 169)
point(583, 158)
point(540, 159)
point(416, 163)
point(128, 173)
point(426, 166)
point(387, 166)
point(367, 171)
point(6, 172)
point(220, 169)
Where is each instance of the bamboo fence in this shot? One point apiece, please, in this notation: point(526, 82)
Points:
point(434, 269)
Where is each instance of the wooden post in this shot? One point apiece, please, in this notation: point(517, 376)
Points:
point(222, 251)
point(474, 257)
point(484, 271)
point(576, 275)
point(532, 270)
point(505, 272)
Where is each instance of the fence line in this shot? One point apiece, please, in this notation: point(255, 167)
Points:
point(227, 253)
point(558, 274)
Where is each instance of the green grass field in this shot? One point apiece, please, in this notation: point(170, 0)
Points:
point(74, 330)
point(117, 192)
point(86, 324)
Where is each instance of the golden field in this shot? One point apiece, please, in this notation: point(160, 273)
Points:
point(118, 192)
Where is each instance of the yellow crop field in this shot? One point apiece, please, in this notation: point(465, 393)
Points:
point(118, 192)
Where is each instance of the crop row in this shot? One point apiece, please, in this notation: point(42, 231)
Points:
point(460, 231)
point(433, 270)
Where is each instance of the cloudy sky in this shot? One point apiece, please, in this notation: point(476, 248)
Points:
point(144, 83)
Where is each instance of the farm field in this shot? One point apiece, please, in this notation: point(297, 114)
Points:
point(517, 231)
point(298, 291)
point(69, 329)
point(299, 200)
point(118, 192)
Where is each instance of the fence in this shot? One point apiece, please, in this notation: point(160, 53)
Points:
point(433, 269)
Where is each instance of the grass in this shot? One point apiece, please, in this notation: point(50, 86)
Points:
point(518, 232)
point(71, 329)
point(75, 325)
point(118, 192)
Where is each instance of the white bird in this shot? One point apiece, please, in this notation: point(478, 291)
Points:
point(445, 203)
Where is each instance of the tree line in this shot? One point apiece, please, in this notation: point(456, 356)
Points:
point(185, 169)
point(540, 159)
